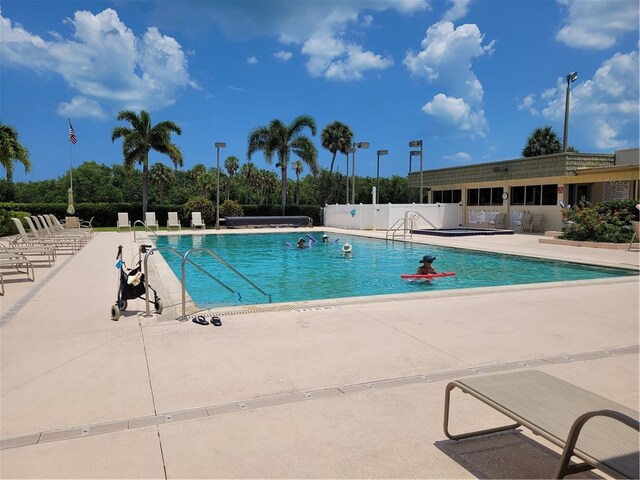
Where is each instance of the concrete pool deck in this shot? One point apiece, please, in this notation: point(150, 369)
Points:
point(350, 388)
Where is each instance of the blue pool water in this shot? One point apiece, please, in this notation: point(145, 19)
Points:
point(290, 274)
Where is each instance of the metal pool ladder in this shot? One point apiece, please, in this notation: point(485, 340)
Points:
point(186, 260)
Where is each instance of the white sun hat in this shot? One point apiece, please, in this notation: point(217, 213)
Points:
point(346, 248)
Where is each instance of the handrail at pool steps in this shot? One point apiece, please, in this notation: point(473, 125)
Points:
point(145, 227)
point(151, 250)
point(217, 257)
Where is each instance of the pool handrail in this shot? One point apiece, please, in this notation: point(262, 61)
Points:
point(221, 260)
point(145, 227)
point(184, 302)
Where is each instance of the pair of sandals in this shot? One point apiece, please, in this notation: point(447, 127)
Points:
point(215, 320)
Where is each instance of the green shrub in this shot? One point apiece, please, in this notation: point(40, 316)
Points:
point(231, 208)
point(604, 222)
point(7, 227)
point(202, 205)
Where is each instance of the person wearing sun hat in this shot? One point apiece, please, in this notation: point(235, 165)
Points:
point(301, 243)
point(426, 267)
point(325, 238)
point(347, 248)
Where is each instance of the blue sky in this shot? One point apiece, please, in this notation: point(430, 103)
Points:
point(472, 79)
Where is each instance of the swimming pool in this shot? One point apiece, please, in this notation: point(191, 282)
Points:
point(322, 271)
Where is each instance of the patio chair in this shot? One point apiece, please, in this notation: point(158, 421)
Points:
point(46, 251)
point(536, 222)
point(602, 433)
point(151, 220)
point(500, 221)
point(123, 221)
point(38, 240)
point(527, 220)
point(173, 221)
point(40, 220)
point(17, 262)
point(636, 233)
point(196, 220)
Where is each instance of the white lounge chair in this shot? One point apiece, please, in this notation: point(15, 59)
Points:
point(123, 221)
point(196, 220)
point(500, 221)
point(173, 221)
point(25, 239)
point(15, 261)
point(151, 220)
point(636, 233)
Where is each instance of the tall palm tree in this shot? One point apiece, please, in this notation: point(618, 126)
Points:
point(207, 184)
point(542, 141)
point(11, 150)
point(161, 176)
point(282, 140)
point(298, 169)
point(197, 170)
point(231, 164)
point(336, 137)
point(140, 139)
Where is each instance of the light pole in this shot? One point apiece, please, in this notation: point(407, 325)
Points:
point(413, 153)
point(418, 143)
point(347, 152)
point(353, 169)
point(379, 152)
point(218, 145)
point(571, 77)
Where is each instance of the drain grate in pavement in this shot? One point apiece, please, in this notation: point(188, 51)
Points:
point(276, 400)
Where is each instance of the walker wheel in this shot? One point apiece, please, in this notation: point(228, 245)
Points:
point(159, 306)
point(122, 305)
point(115, 312)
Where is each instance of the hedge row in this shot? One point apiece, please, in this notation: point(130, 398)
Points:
point(106, 214)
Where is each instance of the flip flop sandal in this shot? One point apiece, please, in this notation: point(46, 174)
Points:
point(215, 320)
point(201, 320)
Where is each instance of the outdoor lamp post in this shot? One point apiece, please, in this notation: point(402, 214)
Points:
point(353, 169)
point(379, 152)
point(218, 145)
point(413, 153)
point(418, 143)
point(347, 152)
point(571, 77)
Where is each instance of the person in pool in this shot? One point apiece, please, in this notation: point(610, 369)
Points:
point(301, 243)
point(347, 249)
point(426, 267)
point(325, 238)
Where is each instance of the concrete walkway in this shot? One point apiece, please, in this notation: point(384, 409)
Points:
point(349, 388)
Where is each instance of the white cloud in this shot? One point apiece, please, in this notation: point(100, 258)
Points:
point(252, 60)
point(329, 33)
point(283, 55)
point(104, 62)
point(457, 113)
point(528, 104)
point(457, 11)
point(460, 157)
point(81, 107)
point(445, 60)
point(597, 24)
point(606, 107)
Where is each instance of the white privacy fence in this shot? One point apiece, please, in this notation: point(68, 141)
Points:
point(383, 217)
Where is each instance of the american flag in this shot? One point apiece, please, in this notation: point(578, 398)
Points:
point(72, 134)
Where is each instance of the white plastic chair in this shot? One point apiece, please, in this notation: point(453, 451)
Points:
point(123, 221)
point(173, 221)
point(151, 220)
point(196, 220)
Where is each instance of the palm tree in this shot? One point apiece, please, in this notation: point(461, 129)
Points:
point(543, 141)
point(282, 140)
point(231, 164)
point(140, 139)
point(197, 170)
point(161, 176)
point(336, 137)
point(11, 150)
point(298, 168)
point(206, 183)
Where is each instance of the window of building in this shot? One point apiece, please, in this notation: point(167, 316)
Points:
point(472, 196)
point(549, 194)
point(517, 195)
point(533, 194)
point(496, 196)
point(484, 196)
point(447, 196)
